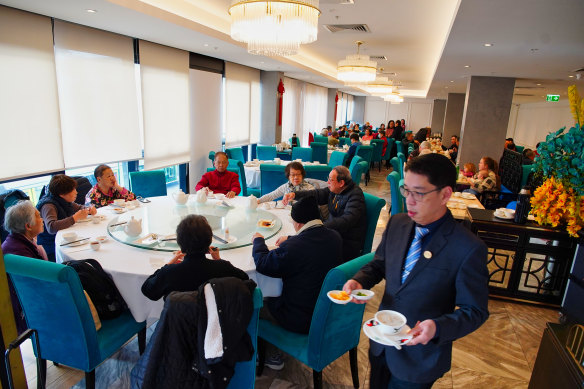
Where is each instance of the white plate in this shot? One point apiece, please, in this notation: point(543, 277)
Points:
point(271, 223)
point(102, 238)
point(76, 243)
point(369, 294)
point(468, 196)
point(149, 239)
point(371, 330)
point(503, 217)
point(336, 301)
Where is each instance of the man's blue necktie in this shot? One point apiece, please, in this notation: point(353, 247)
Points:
point(414, 252)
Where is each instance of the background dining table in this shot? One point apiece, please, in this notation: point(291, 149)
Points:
point(130, 265)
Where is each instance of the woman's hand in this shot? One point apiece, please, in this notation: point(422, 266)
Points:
point(288, 197)
point(80, 215)
point(91, 209)
point(177, 258)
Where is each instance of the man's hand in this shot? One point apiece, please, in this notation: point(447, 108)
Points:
point(287, 197)
point(281, 240)
point(350, 286)
point(177, 258)
point(230, 194)
point(256, 235)
point(422, 332)
point(214, 251)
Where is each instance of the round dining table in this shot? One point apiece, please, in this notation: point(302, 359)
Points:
point(132, 259)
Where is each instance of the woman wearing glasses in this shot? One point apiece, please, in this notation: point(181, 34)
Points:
point(295, 174)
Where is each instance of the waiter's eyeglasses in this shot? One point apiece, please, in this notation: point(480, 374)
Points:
point(418, 196)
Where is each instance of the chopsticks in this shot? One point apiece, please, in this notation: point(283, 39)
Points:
point(75, 241)
point(118, 224)
point(220, 239)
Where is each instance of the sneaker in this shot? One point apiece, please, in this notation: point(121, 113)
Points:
point(275, 361)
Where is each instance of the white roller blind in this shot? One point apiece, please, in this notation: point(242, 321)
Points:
point(242, 104)
point(97, 95)
point(315, 107)
point(165, 103)
point(292, 110)
point(29, 111)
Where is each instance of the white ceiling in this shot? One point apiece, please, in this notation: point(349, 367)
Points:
point(427, 42)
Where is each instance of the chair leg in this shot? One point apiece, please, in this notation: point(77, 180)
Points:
point(354, 367)
point(142, 340)
point(317, 379)
point(261, 356)
point(90, 379)
point(41, 373)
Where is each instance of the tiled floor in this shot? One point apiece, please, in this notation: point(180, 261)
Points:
point(500, 354)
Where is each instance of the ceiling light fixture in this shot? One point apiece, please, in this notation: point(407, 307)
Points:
point(275, 27)
point(467, 66)
point(91, 11)
point(356, 67)
point(488, 44)
point(394, 98)
point(381, 86)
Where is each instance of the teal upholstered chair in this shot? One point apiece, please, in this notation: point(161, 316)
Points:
point(54, 305)
point(271, 177)
point(378, 152)
point(526, 170)
point(337, 158)
point(390, 145)
point(399, 147)
point(235, 153)
point(245, 372)
point(303, 153)
point(334, 329)
point(395, 165)
point(321, 139)
point(245, 191)
point(356, 159)
point(318, 172)
point(358, 172)
point(411, 149)
point(266, 153)
point(519, 149)
point(212, 157)
point(344, 141)
point(319, 152)
point(148, 183)
point(397, 201)
point(366, 152)
point(374, 205)
point(402, 161)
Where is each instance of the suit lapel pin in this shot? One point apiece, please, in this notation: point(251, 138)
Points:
point(427, 254)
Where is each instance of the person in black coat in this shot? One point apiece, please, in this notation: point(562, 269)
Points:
point(189, 268)
point(302, 261)
point(347, 211)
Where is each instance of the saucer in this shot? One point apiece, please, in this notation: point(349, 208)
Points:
point(371, 329)
point(502, 216)
point(468, 196)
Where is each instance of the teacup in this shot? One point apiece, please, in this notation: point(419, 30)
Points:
point(266, 206)
point(219, 196)
point(95, 219)
point(390, 322)
point(95, 245)
point(120, 202)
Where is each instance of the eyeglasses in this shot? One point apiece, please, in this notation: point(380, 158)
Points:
point(295, 175)
point(418, 196)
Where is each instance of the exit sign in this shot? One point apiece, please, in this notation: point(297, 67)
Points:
point(552, 98)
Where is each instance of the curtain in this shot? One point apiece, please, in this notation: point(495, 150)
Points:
point(97, 95)
point(293, 110)
point(242, 104)
point(315, 108)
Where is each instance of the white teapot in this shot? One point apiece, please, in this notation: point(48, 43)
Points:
point(133, 227)
point(201, 196)
point(252, 202)
point(180, 197)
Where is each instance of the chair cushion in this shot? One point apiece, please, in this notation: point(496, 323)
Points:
point(290, 342)
point(116, 332)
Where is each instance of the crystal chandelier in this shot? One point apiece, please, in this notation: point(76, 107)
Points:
point(394, 98)
point(357, 67)
point(380, 87)
point(275, 27)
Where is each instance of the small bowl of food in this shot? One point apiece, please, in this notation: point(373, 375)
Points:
point(101, 238)
point(339, 296)
point(69, 236)
point(362, 294)
point(265, 223)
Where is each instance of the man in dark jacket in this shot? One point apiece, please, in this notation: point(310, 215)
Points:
point(347, 211)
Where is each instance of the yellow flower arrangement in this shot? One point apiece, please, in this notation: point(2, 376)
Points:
point(576, 105)
point(553, 203)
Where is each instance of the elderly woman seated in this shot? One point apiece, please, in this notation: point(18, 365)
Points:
point(23, 221)
point(107, 188)
point(59, 211)
point(189, 268)
point(296, 175)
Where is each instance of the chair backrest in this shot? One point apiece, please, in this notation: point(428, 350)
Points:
point(359, 170)
point(235, 153)
point(519, 149)
point(396, 197)
point(344, 141)
point(390, 146)
point(303, 153)
point(373, 205)
point(319, 151)
point(212, 157)
point(266, 153)
point(245, 372)
point(399, 147)
point(337, 158)
point(335, 328)
point(395, 165)
point(241, 172)
point(526, 171)
point(84, 185)
point(318, 172)
point(365, 152)
point(378, 152)
point(511, 170)
point(148, 183)
point(356, 159)
point(271, 177)
point(321, 139)
point(54, 304)
point(401, 157)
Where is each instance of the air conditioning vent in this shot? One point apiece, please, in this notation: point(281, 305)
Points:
point(346, 27)
point(378, 57)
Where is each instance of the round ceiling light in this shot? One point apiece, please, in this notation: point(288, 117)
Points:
point(357, 67)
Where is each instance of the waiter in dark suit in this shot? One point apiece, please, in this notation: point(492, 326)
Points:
point(436, 275)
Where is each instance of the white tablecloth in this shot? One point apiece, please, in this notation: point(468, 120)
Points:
point(130, 266)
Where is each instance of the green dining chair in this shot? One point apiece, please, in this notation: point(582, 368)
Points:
point(356, 159)
point(386, 157)
point(245, 191)
point(397, 200)
point(303, 153)
point(317, 172)
point(373, 204)
point(321, 139)
point(148, 183)
point(377, 152)
point(334, 329)
point(337, 158)
point(271, 177)
point(319, 152)
point(266, 153)
point(235, 153)
point(366, 152)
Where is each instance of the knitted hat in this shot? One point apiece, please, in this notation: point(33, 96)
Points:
point(305, 210)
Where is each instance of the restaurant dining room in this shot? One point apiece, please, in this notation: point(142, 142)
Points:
point(292, 194)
